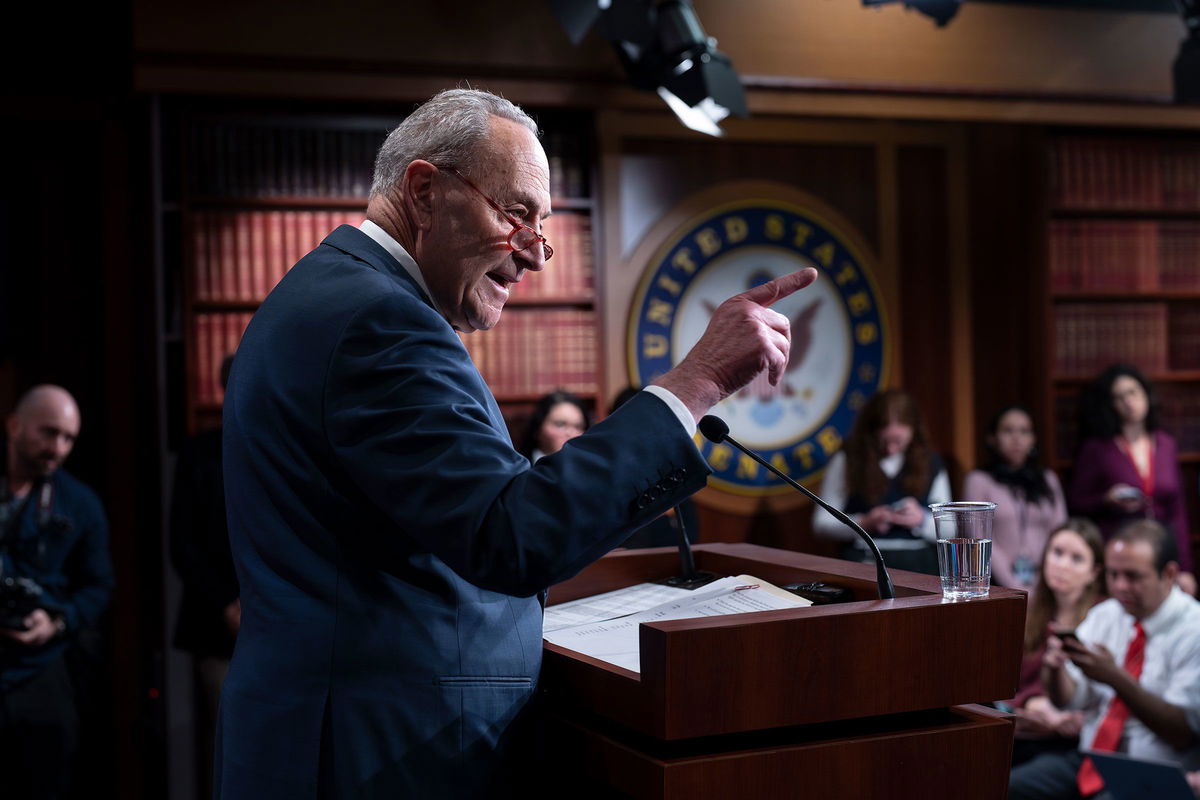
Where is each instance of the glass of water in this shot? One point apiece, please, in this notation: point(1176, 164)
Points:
point(964, 548)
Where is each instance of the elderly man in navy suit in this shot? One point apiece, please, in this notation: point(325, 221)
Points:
point(392, 547)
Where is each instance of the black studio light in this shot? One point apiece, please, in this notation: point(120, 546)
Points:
point(664, 49)
point(942, 11)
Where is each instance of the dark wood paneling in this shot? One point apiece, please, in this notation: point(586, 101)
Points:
point(841, 175)
point(925, 290)
point(1007, 251)
point(908, 755)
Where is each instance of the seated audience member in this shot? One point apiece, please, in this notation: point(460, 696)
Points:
point(1132, 666)
point(1070, 581)
point(885, 477)
point(1127, 466)
point(54, 540)
point(558, 417)
point(662, 531)
point(1029, 500)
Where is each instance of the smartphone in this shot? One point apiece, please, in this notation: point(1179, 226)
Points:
point(1068, 636)
point(898, 505)
point(1128, 493)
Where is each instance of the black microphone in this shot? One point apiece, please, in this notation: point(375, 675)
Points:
point(715, 430)
point(688, 577)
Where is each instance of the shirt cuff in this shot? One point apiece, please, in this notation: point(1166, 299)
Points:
point(676, 405)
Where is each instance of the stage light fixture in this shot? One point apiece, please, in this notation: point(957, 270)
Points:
point(664, 49)
point(942, 11)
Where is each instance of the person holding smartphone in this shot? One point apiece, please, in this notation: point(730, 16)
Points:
point(1128, 467)
point(1070, 581)
point(1132, 667)
point(885, 478)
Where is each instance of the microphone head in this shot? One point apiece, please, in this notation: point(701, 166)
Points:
point(714, 428)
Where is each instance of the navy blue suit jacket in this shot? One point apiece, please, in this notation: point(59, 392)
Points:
point(391, 544)
point(68, 558)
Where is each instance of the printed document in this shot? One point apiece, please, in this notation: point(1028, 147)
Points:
point(615, 640)
point(611, 605)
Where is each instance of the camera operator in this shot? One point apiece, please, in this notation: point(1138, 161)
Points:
point(55, 580)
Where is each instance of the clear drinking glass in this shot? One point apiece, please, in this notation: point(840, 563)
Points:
point(964, 548)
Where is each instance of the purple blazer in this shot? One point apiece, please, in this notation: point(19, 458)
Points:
point(1101, 465)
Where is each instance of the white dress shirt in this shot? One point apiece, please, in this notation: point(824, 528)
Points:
point(1171, 671)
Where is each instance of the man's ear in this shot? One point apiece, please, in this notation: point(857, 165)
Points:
point(417, 193)
point(1171, 571)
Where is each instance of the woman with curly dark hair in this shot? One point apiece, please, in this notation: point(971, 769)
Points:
point(1029, 500)
point(885, 477)
point(1127, 467)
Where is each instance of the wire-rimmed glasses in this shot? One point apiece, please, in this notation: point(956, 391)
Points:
point(522, 237)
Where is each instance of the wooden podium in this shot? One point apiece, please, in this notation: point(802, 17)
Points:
point(865, 699)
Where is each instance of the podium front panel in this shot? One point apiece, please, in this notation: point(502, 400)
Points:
point(748, 672)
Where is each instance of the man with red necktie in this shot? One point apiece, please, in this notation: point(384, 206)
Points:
point(1133, 667)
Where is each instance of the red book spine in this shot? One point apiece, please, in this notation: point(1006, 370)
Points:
point(228, 257)
point(217, 351)
point(201, 262)
point(202, 346)
point(258, 255)
point(291, 239)
point(244, 290)
point(276, 261)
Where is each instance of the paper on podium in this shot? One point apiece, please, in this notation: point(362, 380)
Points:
point(615, 640)
point(610, 605)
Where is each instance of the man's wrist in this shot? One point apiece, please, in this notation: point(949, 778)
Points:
point(60, 625)
point(697, 393)
point(1122, 683)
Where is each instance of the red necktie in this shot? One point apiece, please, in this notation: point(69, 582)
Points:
point(1108, 735)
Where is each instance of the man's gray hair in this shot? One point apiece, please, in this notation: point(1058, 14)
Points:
point(446, 130)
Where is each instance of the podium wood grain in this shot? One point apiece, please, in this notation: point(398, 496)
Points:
point(866, 699)
point(961, 752)
point(746, 672)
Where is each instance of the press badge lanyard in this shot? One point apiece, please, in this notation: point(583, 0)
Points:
point(1023, 567)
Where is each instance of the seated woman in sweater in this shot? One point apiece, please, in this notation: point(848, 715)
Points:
point(885, 477)
point(1029, 500)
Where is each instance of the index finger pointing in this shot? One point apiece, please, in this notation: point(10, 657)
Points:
point(773, 291)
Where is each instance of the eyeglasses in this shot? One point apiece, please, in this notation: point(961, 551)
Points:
point(522, 237)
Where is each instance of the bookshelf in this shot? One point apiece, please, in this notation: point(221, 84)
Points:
point(258, 191)
point(1123, 254)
